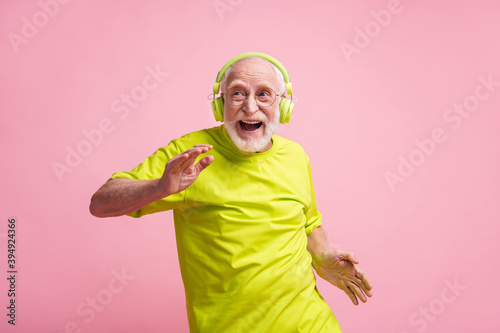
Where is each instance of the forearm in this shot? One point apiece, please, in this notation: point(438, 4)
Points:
point(317, 242)
point(121, 196)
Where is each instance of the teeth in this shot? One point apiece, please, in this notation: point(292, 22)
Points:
point(251, 122)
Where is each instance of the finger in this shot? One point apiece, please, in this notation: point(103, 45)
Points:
point(203, 163)
point(357, 291)
point(176, 161)
point(350, 256)
point(192, 153)
point(349, 293)
point(344, 255)
point(360, 274)
point(208, 147)
point(358, 282)
point(204, 148)
point(198, 149)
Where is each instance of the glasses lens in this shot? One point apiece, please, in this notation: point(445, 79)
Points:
point(238, 96)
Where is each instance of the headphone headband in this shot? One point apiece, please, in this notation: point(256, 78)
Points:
point(253, 54)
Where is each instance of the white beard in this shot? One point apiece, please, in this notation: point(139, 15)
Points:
point(252, 145)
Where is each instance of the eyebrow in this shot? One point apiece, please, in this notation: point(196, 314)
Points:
point(239, 83)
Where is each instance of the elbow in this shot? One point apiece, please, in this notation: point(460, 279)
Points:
point(95, 208)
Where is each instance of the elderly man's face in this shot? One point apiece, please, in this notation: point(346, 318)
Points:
point(252, 124)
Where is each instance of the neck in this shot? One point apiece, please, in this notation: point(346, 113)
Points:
point(267, 147)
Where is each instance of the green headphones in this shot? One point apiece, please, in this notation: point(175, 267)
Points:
point(286, 105)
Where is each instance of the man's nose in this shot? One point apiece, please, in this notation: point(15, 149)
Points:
point(250, 105)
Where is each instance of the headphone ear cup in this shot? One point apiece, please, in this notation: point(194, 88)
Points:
point(286, 108)
point(218, 108)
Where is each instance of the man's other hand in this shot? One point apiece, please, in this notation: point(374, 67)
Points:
point(340, 269)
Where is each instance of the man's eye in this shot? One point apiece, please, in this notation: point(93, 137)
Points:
point(264, 93)
point(237, 93)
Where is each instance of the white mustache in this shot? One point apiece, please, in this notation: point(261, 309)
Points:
point(263, 119)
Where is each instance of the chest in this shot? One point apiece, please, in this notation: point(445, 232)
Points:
point(259, 188)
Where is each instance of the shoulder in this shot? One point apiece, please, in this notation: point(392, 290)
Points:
point(289, 147)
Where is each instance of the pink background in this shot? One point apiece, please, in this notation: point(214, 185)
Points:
point(357, 115)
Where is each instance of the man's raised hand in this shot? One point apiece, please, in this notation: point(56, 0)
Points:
point(180, 171)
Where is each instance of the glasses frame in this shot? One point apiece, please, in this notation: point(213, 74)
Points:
point(226, 94)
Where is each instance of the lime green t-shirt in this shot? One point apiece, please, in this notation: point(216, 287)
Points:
point(241, 231)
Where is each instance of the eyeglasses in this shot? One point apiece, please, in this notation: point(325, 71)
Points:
point(237, 96)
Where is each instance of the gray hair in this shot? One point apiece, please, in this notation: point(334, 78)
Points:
point(279, 76)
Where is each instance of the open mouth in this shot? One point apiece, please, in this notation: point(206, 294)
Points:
point(250, 126)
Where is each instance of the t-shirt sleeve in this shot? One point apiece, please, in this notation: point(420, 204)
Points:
point(153, 168)
point(313, 217)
